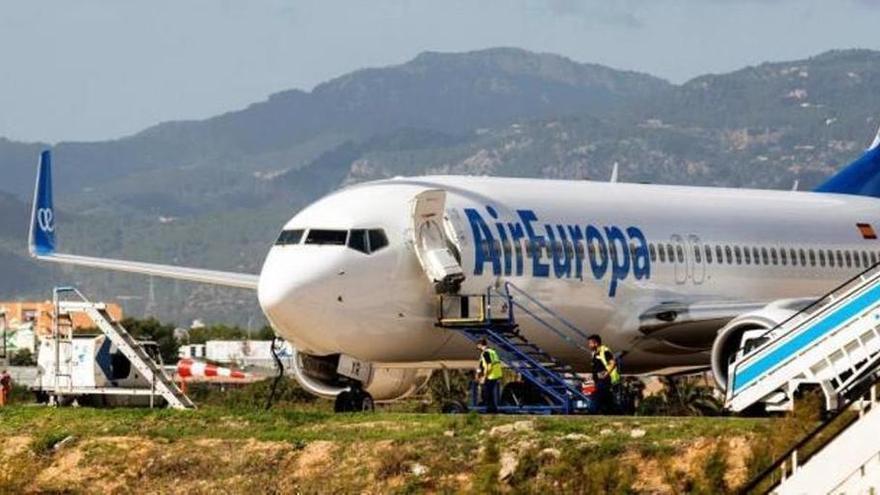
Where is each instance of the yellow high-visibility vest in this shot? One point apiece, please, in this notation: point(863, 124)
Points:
point(615, 373)
point(492, 369)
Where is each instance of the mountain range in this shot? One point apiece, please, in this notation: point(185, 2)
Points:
point(214, 192)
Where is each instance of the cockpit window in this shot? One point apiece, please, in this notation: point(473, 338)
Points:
point(367, 241)
point(378, 240)
point(327, 237)
point(357, 240)
point(289, 237)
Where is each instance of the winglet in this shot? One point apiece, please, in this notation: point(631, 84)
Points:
point(41, 241)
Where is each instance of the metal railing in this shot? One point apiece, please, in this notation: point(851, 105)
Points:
point(511, 291)
point(796, 454)
point(874, 458)
point(812, 311)
point(513, 298)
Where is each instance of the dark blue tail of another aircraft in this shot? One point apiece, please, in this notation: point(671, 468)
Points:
point(42, 238)
point(861, 177)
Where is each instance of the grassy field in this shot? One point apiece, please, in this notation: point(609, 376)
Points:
point(220, 449)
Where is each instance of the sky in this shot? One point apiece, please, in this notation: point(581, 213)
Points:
point(95, 70)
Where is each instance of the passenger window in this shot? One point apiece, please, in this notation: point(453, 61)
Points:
point(680, 252)
point(327, 237)
point(747, 255)
point(821, 258)
point(773, 257)
point(865, 259)
point(782, 257)
point(289, 237)
point(708, 254)
point(557, 249)
point(738, 253)
point(378, 240)
point(662, 253)
point(698, 255)
point(873, 258)
point(812, 257)
point(764, 258)
point(856, 260)
point(839, 258)
point(848, 258)
point(653, 252)
point(670, 253)
point(357, 240)
point(729, 255)
point(830, 258)
point(803, 257)
point(718, 256)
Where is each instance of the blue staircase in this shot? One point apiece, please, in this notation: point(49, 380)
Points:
point(559, 385)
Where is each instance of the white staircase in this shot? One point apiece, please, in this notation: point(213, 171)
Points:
point(832, 343)
point(847, 462)
point(130, 348)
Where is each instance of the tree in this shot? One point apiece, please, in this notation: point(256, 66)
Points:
point(22, 357)
point(224, 332)
point(153, 329)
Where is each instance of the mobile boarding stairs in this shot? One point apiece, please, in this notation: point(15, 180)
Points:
point(833, 343)
point(68, 301)
point(556, 388)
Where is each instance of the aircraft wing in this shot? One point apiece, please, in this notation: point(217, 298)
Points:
point(41, 244)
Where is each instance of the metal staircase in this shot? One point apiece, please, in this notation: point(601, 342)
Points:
point(161, 385)
point(833, 343)
point(491, 316)
point(838, 456)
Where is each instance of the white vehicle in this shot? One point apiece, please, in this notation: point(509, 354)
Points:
point(671, 275)
point(92, 371)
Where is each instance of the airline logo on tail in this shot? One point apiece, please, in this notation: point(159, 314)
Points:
point(42, 238)
point(45, 219)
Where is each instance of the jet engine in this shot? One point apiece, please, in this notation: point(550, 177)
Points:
point(740, 331)
point(328, 376)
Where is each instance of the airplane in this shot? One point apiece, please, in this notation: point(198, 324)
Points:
point(674, 276)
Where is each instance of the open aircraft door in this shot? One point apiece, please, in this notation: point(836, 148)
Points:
point(432, 246)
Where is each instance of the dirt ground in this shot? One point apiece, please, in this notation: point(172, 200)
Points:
point(214, 451)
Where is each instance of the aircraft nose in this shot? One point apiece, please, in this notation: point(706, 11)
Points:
point(293, 284)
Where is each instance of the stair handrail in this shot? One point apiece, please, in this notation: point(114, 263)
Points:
point(806, 311)
point(512, 302)
point(875, 455)
point(863, 389)
point(535, 364)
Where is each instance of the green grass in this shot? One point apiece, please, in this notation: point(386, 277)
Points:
point(290, 425)
point(368, 450)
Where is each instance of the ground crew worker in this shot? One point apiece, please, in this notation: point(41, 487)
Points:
point(5, 387)
point(489, 375)
point(606, 376)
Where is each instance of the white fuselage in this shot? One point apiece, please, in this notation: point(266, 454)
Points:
point(327, 298)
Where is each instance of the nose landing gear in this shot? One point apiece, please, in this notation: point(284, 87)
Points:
point(356, 399)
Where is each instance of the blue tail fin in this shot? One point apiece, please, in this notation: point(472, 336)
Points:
point(42, 235)
point(861, 177)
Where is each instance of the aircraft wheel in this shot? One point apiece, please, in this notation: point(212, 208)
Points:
point(518, 394)
point(344, 402)
point(454, 407)
point(364, 402)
